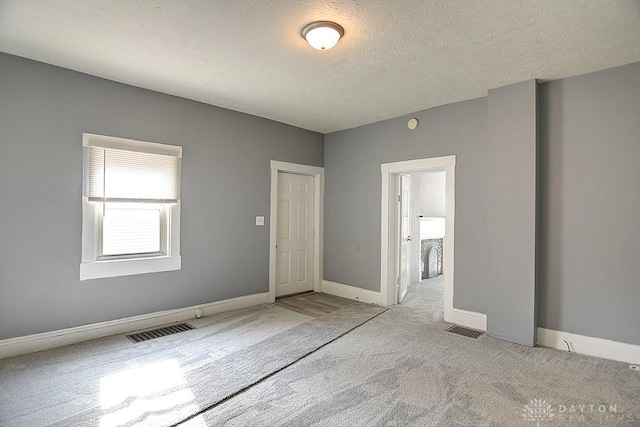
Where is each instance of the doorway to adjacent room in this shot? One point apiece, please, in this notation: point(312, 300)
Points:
point(400, 232)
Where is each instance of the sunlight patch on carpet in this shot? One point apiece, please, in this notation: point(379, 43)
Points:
point(136, 393)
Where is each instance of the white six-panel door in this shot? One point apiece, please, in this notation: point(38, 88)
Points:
point(294, 269)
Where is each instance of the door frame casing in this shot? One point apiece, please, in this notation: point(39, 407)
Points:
point(318, 199)
point(389, 223)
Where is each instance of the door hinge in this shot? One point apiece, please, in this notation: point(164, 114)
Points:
point(398, 283)
point(399, 199)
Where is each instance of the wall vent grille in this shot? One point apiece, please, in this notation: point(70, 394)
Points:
point(465, 332)
point(159, 332)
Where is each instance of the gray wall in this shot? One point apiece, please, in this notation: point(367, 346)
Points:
point(225, 184)
point(589, 233)
point(353, 193)
point(588, 203)
point(511, 212)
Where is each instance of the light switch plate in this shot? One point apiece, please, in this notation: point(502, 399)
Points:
point(259, 220)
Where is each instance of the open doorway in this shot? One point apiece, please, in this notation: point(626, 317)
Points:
point(428, 224)
point(421, 213)
point(428, 231)
point(394, 227)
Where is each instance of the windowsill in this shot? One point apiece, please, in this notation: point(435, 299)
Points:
point(129, 267)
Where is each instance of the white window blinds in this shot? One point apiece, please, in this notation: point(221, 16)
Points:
point(120, 170)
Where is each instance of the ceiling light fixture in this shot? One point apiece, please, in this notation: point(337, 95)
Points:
point(322, 35)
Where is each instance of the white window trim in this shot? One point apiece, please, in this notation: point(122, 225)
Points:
point(90, 266)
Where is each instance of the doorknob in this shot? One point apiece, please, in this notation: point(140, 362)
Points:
point(409, 239)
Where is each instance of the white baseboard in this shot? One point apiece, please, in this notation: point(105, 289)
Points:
point(350, 292)
point(47, 340)
point(591, 346)
point(469, 319)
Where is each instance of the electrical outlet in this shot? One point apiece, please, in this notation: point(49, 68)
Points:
point(634, 367)
point(259, 220)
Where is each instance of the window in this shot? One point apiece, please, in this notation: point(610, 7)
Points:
point(130, 207)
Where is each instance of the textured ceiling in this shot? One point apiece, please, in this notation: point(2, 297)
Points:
point(396, 57)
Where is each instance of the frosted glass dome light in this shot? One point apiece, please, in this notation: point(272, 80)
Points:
point(322, 35)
